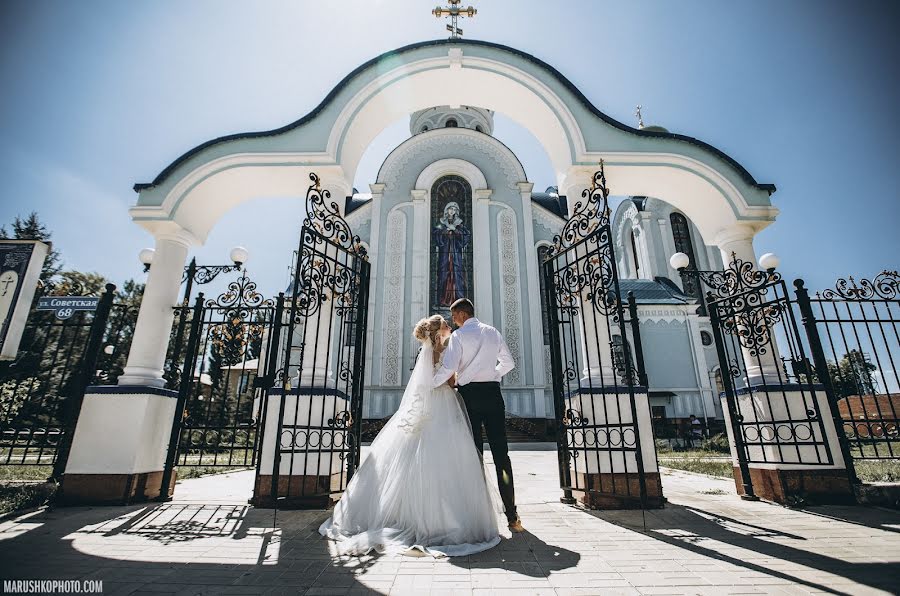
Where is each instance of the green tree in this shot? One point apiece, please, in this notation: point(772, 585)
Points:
point(853, 375)
point(31, 228)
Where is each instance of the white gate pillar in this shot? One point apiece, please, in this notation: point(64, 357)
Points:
point(154, 324)
point(120, 441)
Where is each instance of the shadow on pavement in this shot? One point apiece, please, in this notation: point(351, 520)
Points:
point(704, 532)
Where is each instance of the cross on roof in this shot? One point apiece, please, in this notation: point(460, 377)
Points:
point(454, 11)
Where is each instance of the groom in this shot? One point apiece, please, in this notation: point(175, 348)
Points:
point(478, 354)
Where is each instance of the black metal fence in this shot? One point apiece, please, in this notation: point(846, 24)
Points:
point(795, 362)
point(857, 339)
point(42, 389)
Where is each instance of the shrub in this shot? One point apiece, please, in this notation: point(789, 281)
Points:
point(716, 444)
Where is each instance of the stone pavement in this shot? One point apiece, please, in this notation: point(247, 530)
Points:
point(706, 541)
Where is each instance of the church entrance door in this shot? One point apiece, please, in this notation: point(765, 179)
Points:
point(604, 441)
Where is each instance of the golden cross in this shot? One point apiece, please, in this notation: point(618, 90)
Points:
point(640, 117)
point(454, 11)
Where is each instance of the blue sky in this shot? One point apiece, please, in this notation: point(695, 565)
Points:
point(97, 95)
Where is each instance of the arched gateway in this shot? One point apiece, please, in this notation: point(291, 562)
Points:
point(452, 213)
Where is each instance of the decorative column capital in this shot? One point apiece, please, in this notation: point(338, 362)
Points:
point(734, 233)
point(377, 189)
point(525, 187)
point(482, 194)
point(177, 235)
point(419, 195)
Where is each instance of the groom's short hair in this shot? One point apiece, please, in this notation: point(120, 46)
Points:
point(464, 305)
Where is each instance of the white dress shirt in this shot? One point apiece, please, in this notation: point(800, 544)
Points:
point(477, 353)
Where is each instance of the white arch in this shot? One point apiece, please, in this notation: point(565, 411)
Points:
point(712, 189)
point(450, 166)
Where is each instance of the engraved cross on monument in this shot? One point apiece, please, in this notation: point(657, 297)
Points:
point(454, 11)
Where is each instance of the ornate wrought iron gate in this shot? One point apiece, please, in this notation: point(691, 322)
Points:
point(221, 378)
point(595, 380)
point(774, 408)
point(319, 382)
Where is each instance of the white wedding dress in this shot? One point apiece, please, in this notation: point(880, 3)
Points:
point(422, 485)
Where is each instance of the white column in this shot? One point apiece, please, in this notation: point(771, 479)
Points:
point(481, 256)
point(665, 233)
point(532, 271)
point(374, 251)
point(738, 240)
point(421, 249)
point(154, 324)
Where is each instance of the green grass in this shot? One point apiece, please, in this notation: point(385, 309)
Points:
point(32, 473)
point(186, 473)
point(15, 497)
point(701, 465)
point(878, 470)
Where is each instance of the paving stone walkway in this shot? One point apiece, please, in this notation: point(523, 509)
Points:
point(706, 541)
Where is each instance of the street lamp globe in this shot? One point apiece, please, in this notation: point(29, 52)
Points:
point(679, 261)
point(239, 255)
point(769, 261)
point(146, 257)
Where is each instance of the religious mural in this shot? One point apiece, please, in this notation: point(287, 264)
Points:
point(451, 242)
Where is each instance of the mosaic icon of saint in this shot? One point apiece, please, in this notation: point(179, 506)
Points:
point(451, 237)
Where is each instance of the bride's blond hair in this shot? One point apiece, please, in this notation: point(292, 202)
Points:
point(429, 329)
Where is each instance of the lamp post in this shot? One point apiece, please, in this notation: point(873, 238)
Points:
point(194, 273)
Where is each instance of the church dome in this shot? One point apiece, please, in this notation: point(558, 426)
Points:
point(477, 119)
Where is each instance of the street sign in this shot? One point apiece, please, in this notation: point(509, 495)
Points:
point(66, 306)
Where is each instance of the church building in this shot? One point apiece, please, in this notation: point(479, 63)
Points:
point(456, 216)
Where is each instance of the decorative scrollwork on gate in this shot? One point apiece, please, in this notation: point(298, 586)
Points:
point(751, 323)
point(739, 293)
point(238, 330)
point(592, 268)
point(240, 295)
point(326, 218)
point(588, 214)
point(886, 286)
point(740, 277)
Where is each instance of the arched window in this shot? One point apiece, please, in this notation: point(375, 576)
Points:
point(424, 128)
point(451, 123)
point(681, 234)
point(620, 351)
point(478, 128)
point(451, 243)
point(545, 313)
point(634, 255)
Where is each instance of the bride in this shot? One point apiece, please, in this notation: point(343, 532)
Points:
point(421, 489)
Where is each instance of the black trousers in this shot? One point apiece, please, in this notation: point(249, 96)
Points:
point(484, 403)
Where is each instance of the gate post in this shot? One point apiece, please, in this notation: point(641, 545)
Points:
point(119, 445)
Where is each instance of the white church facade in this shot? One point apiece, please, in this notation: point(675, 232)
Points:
point(505, 228)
